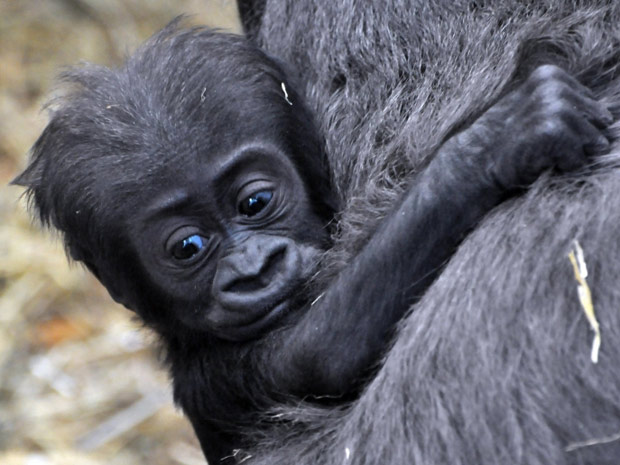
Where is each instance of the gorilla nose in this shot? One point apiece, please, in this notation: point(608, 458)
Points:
point(256, 273)
point(247, 276)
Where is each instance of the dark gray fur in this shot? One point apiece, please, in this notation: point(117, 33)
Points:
point(493, 364)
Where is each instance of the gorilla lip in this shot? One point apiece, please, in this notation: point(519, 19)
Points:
point(256, 326)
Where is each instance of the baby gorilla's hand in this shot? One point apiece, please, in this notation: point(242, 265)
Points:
point(550, 121)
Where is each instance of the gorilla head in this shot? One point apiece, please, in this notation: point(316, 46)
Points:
point(194, 188)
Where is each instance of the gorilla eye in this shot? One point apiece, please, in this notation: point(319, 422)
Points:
point(188, 247)
point(253, 204)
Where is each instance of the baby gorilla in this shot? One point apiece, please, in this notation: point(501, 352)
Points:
point(192, 182)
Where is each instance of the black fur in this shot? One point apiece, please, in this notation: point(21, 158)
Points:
point(473, 376)
point(195, 119)
point(493, 364)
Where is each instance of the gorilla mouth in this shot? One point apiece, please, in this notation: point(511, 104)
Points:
point(257, 321)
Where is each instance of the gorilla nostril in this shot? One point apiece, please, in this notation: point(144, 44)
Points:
point(249, 283)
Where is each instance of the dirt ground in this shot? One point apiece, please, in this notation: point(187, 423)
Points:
point(80, 382)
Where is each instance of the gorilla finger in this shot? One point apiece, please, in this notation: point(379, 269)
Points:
point(570, 155)
point(594, 110)
point(584, 140)
point(552, 73)
point(599, 147)
point(593, 141)
point(578, 86)
point(601, 116)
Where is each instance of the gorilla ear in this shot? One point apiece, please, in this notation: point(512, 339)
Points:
point(42, 153)
point(30, 177)
point(110, 284)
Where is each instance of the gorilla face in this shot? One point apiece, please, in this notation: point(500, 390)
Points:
point(230, 241)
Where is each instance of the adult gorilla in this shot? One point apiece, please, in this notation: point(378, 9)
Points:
point(493, 364)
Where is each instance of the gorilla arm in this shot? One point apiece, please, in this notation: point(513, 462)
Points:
point(550, 121)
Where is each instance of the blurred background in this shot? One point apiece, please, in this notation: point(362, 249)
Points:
point(80, 382)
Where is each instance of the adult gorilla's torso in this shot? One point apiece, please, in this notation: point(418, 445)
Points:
point(493, 365)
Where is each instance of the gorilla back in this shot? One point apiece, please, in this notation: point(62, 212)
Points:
point(493, 364)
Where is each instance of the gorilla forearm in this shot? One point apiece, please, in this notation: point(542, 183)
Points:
point(471, 173)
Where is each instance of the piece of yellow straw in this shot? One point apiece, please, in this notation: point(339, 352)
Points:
point(585, 296)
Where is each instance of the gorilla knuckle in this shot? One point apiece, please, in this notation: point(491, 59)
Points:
point(550, 128)
point(546, 72)
point(549, 92)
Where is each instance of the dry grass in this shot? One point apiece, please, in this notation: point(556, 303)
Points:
point(79, 381)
